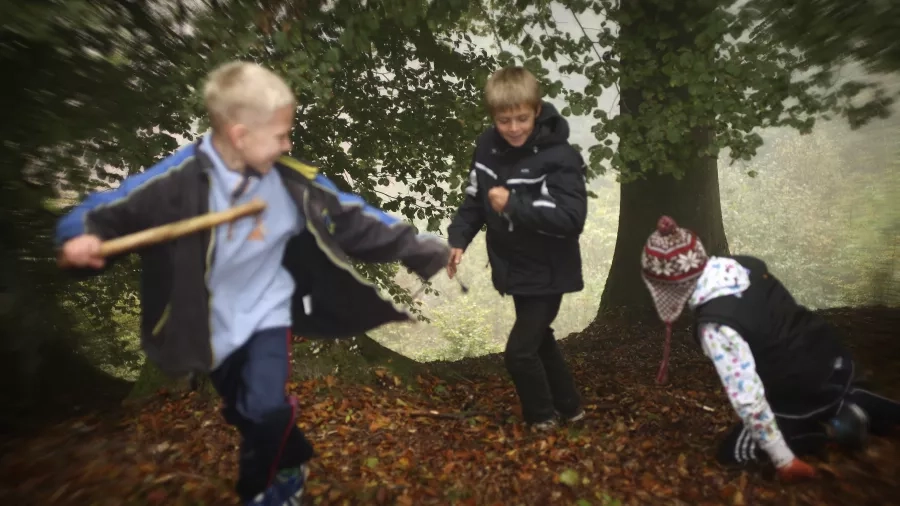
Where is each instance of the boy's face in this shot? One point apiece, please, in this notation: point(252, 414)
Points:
point(261, 143)
point(516, 124)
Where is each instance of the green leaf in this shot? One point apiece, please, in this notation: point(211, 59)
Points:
point(673, 134)
point(372, 462)
point(282, 43)
point(569, 477)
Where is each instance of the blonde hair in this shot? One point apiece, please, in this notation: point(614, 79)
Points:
point(511, 87)
point(244, 92)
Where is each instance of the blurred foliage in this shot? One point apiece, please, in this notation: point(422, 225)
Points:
point(829, 30)
point(695, 64)
point(77, 73)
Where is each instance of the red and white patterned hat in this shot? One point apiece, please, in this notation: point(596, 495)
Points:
point(671, 262)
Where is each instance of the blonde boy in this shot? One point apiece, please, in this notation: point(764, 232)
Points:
point(226, 302)
point(527, 185)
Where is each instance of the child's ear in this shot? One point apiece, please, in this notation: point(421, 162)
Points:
point(236, 133)
point(537, 110)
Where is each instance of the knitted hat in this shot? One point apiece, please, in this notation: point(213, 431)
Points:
point(671, 262)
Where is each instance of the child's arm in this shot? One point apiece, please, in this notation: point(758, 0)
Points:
point(128, 208)
point(371, 235)
point(561, 209)
point(469, 217)
point(737, 369)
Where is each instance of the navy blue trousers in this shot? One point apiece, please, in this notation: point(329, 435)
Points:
point(252, 382)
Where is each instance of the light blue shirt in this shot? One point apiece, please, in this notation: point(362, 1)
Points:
point(249, 287)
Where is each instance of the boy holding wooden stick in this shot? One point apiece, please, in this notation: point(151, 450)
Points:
point(225, 302)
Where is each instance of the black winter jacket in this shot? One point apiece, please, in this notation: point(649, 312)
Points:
point(794, 348)
point(533, 244)
point(175, 302)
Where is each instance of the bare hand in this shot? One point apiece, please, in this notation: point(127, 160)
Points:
point(456, 255)
point(82, 251)
point(499, 197)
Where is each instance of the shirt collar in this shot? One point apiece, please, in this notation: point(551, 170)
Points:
point(230, 180)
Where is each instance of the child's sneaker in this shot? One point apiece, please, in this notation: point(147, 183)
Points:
point(577, 417)
point(544, 426)
point(287, 490)
point(849, 427)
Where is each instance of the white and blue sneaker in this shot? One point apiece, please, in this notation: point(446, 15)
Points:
point(286, 490)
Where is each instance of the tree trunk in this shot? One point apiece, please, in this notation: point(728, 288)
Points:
point(693, 201)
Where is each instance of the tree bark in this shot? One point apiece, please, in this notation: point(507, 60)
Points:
point(693, 202)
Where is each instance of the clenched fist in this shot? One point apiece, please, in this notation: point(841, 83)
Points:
point(82, 251)
point(498, 197)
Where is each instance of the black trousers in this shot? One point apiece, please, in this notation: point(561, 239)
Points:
point(533, 359)
point(252, 384)
point(801, 416)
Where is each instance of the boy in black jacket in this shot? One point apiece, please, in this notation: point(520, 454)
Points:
point(527, 184)
point(784, 369)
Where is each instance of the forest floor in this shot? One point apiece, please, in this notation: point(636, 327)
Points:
point(424, 440)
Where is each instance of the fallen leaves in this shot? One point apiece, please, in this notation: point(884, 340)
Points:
point(445, 443)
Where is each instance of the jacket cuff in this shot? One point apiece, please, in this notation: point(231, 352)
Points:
point(456, 242)
point(779, 452)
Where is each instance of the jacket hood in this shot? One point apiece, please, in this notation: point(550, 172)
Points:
point(550, 127)
point(721, 277)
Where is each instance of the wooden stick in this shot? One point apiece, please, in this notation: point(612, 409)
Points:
point(174, 230)
point(178, 229)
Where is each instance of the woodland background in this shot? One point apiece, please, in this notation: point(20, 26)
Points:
point(765, 126)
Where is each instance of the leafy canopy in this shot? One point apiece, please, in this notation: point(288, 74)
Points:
point(691, 65)
point(389, 92)
point(830, 30)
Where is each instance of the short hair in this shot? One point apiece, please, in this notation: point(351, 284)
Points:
point(511, 87)
point(241, 91)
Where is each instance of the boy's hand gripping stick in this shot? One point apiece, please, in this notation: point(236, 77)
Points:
point(175, 230)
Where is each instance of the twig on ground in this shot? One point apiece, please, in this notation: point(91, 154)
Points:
point(438, 414)
point(704, 407)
